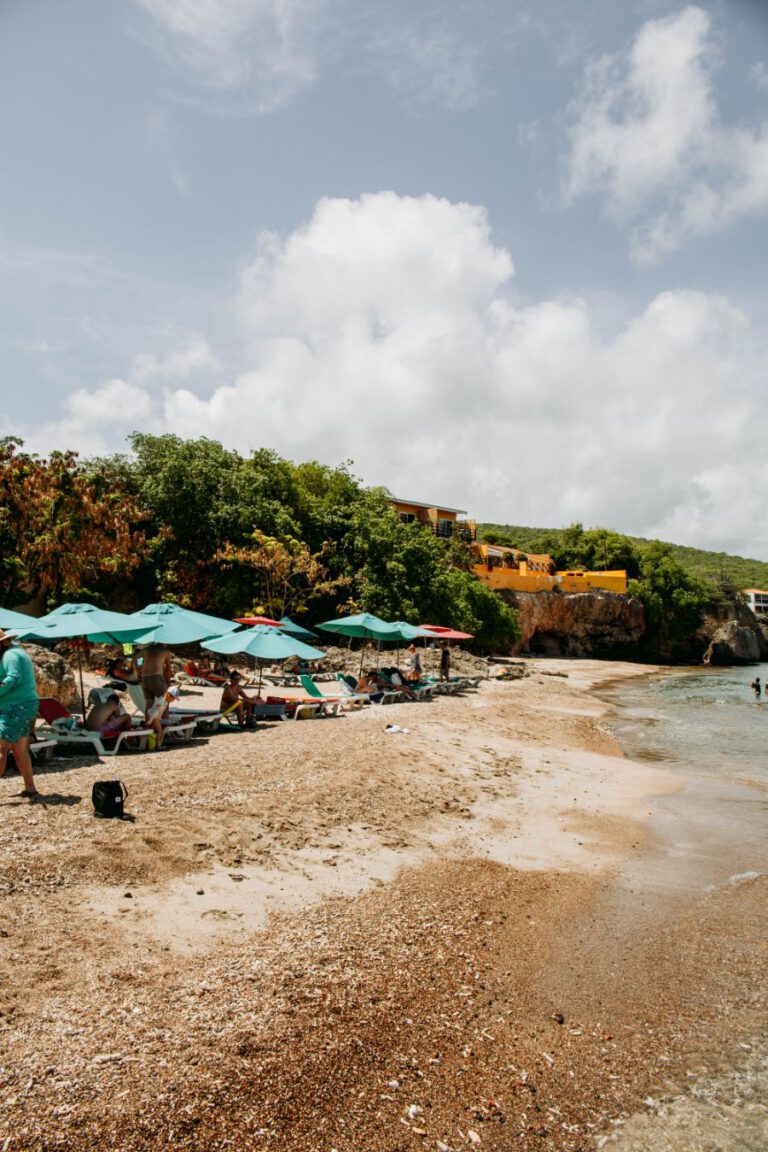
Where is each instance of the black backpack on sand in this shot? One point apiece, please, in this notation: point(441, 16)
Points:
point(108, 797)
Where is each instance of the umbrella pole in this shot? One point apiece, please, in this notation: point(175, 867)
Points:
point(362, 654)
point(82, 689)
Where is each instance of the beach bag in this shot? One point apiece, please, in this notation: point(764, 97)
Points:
point(108, 797)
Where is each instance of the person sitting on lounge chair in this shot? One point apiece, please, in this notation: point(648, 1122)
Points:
point(235, 694)
point(107, 718)
point(397, 681)
point(369, 683)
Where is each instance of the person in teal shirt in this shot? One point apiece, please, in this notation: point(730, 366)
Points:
point(19, 703)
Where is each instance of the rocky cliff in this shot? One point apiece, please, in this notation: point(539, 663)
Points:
point(734, 636)
point(601, 624)
point(53, 676)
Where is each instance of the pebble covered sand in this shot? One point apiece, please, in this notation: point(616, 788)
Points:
point(322, 936)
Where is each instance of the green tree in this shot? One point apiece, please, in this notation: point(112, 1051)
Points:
point(203, 498)
point(674, 600)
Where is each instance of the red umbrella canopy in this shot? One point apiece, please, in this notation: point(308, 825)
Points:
point(442, 633)
point(253, 620)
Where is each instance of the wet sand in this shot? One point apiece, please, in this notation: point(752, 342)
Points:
point(320, 935)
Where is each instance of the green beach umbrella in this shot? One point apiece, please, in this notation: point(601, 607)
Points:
point(263, 643)
point(410, 631)
point(173, 624)
point(287, 625)
point(16, 620)
point(363, 626)
point(84, 621)
point(100, 626)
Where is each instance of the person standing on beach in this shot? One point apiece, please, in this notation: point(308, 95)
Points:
point(445, 661)
point(413, 669)
point(156, 673)
point(19, 703)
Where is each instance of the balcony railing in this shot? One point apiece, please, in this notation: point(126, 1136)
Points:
point(465, 530)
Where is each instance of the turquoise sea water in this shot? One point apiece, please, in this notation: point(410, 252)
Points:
point(708, 728)
point(703, 719)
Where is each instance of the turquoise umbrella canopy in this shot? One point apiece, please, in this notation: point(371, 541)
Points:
point(263, 642)
point(171, 624)
point(408, 631)
point(72, 621)
point(69, 621)
point(287, 625)
point(363, 626)
point(16, 620)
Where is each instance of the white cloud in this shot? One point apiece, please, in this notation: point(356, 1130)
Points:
point(648, 136)
point(95, 421)
point(384, 330)
point(196, 357)
point(260, 49)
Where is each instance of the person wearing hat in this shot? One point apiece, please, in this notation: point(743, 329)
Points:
point(19, 703)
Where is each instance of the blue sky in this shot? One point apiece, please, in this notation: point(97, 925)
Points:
point(507, 256)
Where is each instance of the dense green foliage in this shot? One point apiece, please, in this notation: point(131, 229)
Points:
point(190, 521)
point(674, 600)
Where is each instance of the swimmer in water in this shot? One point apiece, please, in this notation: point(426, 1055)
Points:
point(756, 687)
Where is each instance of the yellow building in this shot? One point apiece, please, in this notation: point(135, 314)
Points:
point(509, 568)
point(501, 567)
point(444, 522)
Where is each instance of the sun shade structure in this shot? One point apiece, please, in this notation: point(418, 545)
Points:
point(71, 621)
point(263, 643)
point(85, 621)
point(411, 631)
point(16, 620)
point(252, 621)
point(171, 624)
point(363, 626)
point(441, 633)
point(287, 625)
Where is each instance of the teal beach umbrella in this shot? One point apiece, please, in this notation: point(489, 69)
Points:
point(172, 624)
point(411, 631)
point(16, 620)
point(263, 643)
point(76, 621)
point(363, 626)
point(287, 625)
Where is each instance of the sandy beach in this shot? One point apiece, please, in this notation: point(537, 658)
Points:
point(322, 936)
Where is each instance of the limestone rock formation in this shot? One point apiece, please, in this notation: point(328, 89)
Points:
point(54, 676)
point(739, 640)
point(601, 624)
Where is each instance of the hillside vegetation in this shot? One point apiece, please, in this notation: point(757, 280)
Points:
point(716, 567)
point(196, 523)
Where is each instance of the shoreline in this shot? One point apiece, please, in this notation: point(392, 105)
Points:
point(304, 915)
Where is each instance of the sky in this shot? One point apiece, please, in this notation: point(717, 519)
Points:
point(503, 255)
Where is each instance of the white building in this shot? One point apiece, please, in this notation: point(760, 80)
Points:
point(757, 600)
